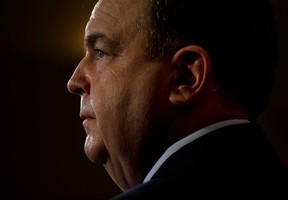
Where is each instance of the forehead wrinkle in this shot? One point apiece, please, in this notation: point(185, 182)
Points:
point(104, 13)
point(108, 9)
point(130, 11)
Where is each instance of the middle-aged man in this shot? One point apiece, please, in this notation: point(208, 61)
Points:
point(170, 91)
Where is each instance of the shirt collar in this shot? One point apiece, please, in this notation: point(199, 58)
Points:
point(188, 139)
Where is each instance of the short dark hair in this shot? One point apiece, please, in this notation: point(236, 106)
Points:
point(240, 37)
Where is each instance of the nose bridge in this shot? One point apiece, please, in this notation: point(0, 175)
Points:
point(78, 82)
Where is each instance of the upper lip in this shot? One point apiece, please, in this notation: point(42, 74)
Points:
point(86, 110)
point(85, 115)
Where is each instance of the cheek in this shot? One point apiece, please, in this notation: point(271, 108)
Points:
point(109, 102)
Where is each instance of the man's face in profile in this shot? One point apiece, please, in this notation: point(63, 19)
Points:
point(122, 90)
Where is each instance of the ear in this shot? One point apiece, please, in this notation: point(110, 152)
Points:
point(193, 68)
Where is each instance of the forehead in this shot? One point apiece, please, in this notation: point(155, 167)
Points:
point(117, 6)
point(120, 11)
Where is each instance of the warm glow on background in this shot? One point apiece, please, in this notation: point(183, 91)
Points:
point(49, 29)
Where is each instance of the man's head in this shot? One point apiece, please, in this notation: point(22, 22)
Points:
point(155, 71)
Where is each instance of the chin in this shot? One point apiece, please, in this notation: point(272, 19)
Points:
point(96, 153)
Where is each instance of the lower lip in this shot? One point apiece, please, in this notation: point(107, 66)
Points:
point(84, 123)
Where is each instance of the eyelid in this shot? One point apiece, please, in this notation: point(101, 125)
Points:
point(98, 39)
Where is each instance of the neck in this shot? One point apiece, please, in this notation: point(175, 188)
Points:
point(190, 119)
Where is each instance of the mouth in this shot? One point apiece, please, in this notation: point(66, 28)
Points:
point(86, 117)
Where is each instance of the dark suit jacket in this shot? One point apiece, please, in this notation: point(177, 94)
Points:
point(233, 162)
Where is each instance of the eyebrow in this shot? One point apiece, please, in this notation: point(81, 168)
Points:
point(91, 39)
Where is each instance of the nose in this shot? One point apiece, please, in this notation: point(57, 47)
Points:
point(78, 83)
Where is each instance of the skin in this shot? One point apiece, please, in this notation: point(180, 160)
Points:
point(134, 107)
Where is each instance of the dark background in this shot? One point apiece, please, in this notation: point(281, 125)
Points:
point(42, 136)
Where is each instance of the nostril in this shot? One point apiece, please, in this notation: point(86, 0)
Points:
point(79, 91)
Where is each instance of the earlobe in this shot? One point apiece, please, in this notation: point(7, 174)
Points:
point(193, 68)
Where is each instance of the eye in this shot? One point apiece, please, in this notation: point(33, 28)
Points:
point(99, 54)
